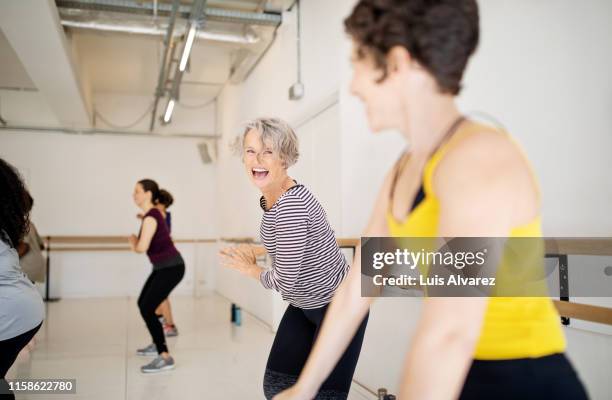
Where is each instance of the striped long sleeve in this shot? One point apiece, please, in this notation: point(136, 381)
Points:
point(307, 264)
point(291, 232)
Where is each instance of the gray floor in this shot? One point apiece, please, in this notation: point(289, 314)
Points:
point(94, 340)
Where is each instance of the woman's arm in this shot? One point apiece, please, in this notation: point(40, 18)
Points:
point(141, 245)
point(441, 351)
point(257, 251)
point(23, 248)
point(291, 239)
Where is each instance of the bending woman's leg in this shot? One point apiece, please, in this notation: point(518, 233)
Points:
point(291, 347)
point(158, 287)
point(338, 383)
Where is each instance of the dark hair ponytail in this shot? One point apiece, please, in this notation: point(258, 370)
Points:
point(165, 198)
point(149, 185)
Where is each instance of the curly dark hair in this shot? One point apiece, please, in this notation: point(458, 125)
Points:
point(165, 198)
point(440, 34)
point(15, 205)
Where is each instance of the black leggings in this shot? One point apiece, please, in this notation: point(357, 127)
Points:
point(549, 377)
point(9, 350)
point(156, 289)
point(296, 335)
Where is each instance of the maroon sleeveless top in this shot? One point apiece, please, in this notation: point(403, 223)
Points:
point(161, 250)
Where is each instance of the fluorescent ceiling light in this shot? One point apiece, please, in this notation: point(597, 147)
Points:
point(187, 48)
point(169, 109)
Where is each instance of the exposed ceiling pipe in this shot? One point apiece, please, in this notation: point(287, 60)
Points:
point(159, 92)
point(95, 131)
point(296, 91)
point(164, 10)
point(249, 37)
point(19, 89)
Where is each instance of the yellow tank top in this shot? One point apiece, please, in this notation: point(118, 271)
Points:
point(513, 327)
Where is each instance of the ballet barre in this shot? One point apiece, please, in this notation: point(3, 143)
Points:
point(91, 243)
point(555, 248)
point(561, 249)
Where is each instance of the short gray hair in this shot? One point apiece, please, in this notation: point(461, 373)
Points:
point(275, 131)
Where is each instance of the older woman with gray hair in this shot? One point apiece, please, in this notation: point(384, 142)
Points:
point(307, 264)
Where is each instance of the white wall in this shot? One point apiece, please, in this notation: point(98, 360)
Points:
point(543, 69)
point(121, 273)
point(82, 185)
point(265, 93)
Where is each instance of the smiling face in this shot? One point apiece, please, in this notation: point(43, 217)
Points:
point(263, 165)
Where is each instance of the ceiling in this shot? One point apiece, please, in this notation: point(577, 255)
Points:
point(120, 63)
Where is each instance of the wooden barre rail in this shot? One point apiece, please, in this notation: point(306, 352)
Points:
point(579, 246)
point(110, 240)
point(585, 312)
point(89, 248)
point(574, 246)
point(69, 249)
point(345, 242)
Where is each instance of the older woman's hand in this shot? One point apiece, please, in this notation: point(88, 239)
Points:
point(247, 252)
point(242, 259)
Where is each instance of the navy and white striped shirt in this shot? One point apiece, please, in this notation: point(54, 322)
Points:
point(307, 264)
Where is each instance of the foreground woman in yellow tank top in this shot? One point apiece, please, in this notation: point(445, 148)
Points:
point(458, 179)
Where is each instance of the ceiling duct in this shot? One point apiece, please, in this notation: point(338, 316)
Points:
point(164, 10)
point(148, 28)
point(254, 32)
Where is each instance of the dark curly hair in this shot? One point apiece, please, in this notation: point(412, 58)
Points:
point(165, 198)
point(440, 34)
point(15, 205)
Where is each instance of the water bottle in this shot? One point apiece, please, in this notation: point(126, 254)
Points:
point(238, 319)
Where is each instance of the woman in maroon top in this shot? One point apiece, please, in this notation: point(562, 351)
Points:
point(168, 270)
